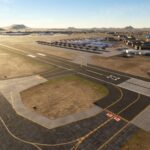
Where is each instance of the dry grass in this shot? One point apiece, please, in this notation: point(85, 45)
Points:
point(139, 141)
point(13, 65)
point(63, 96)
point(138, 66)
point(29, 43)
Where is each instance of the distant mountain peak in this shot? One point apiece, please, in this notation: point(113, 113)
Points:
point(1, 29)
point(17, 27)
point(129, 28)
point(71, 28)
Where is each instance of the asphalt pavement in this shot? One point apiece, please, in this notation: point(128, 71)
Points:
point(106, 130)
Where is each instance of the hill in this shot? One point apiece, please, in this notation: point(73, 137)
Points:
point(17, 27)
point(129, 28)
point(1, 29)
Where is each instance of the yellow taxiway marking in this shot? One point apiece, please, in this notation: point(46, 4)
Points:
point(119, 99)
point(32, 143)
point(80, 140)
point(115, 135)
point(21, 140)
point(121, 93)
point(138, 97)
point(89, 134)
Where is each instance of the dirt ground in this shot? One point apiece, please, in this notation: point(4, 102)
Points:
point(29, 43)
point(63, 96)
point(139, 141)
point(138, 66)
point(13, 65)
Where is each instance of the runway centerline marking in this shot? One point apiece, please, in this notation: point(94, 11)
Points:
point(95, 72)
point(109, 71)
point(96, 78)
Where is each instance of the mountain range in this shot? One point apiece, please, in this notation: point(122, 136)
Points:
point(22, 27)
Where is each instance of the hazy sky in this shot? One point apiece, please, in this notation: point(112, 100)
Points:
point(75, 13)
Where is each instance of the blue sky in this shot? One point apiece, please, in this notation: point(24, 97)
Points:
point(75, 13)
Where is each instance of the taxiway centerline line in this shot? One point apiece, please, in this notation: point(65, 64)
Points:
point(115, 135)
point(116, 100)
point(108, 83)
point(17, 138)
point(137, 99)
point(86, 75)
point(121, 128)
point(83, 138)
point(79, 143)
point(79, 139)
point(80, 73)
point(33, 143)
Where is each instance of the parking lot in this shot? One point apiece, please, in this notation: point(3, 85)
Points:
point(99, 46)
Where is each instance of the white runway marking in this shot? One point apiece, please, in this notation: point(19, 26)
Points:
point(41, 54)
point(109, 71)
point(32, 56)
point(96, 72)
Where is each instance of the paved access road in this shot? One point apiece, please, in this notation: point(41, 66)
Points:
point(106, 130)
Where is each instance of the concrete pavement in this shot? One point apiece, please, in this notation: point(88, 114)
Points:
point(96, 132)
point(11, 91)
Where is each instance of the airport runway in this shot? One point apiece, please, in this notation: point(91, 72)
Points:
point(109, 128)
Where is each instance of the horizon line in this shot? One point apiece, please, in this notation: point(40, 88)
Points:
point(113, 27)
